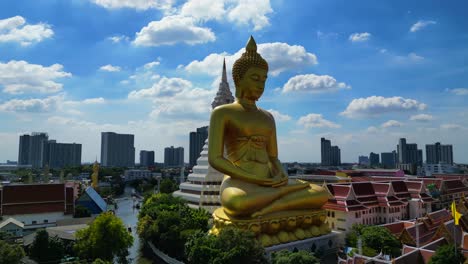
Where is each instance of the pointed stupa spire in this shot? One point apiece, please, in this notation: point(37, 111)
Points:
point(224, 78)
point(224, 95)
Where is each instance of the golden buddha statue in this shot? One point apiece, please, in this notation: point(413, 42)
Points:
point(255, 186)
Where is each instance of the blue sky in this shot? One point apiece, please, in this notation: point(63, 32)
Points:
point(362, 73)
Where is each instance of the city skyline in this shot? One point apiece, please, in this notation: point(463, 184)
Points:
point(361, 84)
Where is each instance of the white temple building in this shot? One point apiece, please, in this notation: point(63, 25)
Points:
point(201, 189)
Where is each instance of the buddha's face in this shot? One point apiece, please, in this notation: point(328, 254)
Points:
point(252, 84)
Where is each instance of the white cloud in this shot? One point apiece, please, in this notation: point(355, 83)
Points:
point(279, 116)
point(372, 130)
point(171, 30)
point(410, 58)
point(98, 100)
point(204, 9)
point(175, 96)
point(377, 105)
point(15, 29)
point(383, 51)
point(18, 77)
point(150, 65)
point(316, 120)
point(451, 126)
point(280, 57)
point(118, 38)
point(422, 118)
point(110, 68)
point(245, 12)
point(359, 37)
point(135, 4)
point(421, 24)
point(459, 91)
point(391, 123)
point(314, 84)
point(32, 105)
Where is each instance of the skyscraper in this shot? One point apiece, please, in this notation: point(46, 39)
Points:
point(438, 153)
point(59, 155)
point(23, 153)
point(409, 153)
point(374, 159)
point(37, 150)
point(330, 155)
point(174, 157)
point(146, 158)
point(197, 140)
point(389, 159)
point(117, 150)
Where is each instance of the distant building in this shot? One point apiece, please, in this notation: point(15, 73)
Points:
point(439, 168)
point(117, 150)
point(197, 140)
point(409, 154)
point(363, 160)
point(37, 150)
point(59, 155)
point(438, 153)
point(330, 155)
point(146, 158)
point(12, 227)
point(37, 205)
point(174, 157)
point(389, 159)
point(374, 159)
point(131, 175)
point(31, 149)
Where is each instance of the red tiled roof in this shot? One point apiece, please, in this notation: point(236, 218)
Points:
point(363, 188)
point(340, 191)
point(399, 186)
point(413, 185)
point(381, 188)
point(439, 215)
point(361, 179)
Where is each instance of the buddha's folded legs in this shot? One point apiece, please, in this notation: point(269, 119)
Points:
point(251, 199)
point(313, 197)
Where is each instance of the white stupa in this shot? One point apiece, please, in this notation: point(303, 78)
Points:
point(201, 189)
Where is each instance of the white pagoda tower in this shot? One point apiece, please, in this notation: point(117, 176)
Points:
point(201, 189)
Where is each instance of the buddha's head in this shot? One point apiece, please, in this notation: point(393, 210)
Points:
point(250, 73)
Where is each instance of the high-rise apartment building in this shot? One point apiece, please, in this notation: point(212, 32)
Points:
point(363, 160)
point(409, 153)
point(146, 158)
point(174, 157)
point(438, 153)
point(23, 153)
point(59, 155)
point(374, 159)
point(330, 155)
point(389, 159)
point(197, 140)
point(117, 150)
point(37, 150)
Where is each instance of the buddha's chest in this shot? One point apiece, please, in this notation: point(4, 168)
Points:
point(250, 124)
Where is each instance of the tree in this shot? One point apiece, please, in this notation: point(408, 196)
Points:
point(10, 253)
point(168, 186)
point(46, 249)
point(168, 222)
point(100, 261)
point(299, 257)
point(374, 239)
point(446, 254)
point(232, 245)
point(81, 211)
point(105, 238)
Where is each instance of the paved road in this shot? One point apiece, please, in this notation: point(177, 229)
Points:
point(129, 216)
